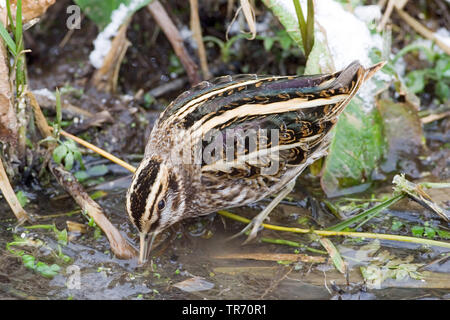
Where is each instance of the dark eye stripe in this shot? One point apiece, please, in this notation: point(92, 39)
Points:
point(143, 184)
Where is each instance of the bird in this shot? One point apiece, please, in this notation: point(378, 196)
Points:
point(235, 140)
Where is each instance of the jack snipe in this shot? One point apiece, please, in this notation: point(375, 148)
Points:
point(235, 140)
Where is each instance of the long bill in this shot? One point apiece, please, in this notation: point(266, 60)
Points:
point(373, 69)
point(146, 243)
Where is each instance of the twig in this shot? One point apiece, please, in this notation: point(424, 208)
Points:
point(173, 35)
point(415, 192)
point(230, 5)
point(68, 35)
point(273, 257)
point(8, 118)
point(419, 28)
point(101, 152)
point(292, 244)
point(11, 197)
point(381, 3)
point(391, 4)
point(434, 117)
point(386, 15)
point(120, 247)
point(105, 78)
point(276, 283)
point(249, 14)
point(198, 37)
point(40, 118)
point(168, 87)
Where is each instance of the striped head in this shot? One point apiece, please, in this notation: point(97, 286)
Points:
point(154, 201)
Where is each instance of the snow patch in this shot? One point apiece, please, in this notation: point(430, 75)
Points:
point(443, 35)
point(368, 14)
point(102, 44)
point(45, 93)
point(347, 36)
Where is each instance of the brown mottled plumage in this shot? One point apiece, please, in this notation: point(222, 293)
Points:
point(281, 123)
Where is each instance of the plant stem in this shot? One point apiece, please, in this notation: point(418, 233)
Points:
point(306, 26)
point(429, 53)
point(292, 244)
point(328, 233)
point(370, 212)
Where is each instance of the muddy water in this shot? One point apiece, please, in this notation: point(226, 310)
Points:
point(193, 249)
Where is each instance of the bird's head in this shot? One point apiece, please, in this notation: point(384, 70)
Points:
point(153, 201)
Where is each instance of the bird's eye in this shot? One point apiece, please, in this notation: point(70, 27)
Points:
point(161, 204)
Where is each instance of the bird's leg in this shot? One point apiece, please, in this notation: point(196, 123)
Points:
point(259, 219)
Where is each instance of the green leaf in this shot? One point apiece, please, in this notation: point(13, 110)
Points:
point(71, 145)
point(68, 161)
point(98, 194)
point(443, 234)
point(46, 270)
point(61, 236)
point(97, 171)
point(442, 90)
point(446, 73)
point(149, 99)
point(310, 28)
point(355, 151)
point(417, 231)
point(100, 11)
point(370, 213)
point(18, 29)
point(23, 200)
point(78, 157)
point(81, 176)
point(48, 139)
point(268, 43)
point(415, 80)
point(301, 21)
point(429, 232)
point(334, 254)
point(319, 60)
point(28, 261)
point(394, 116)
point(285, 41)
point(306, 26)
point(10, 18)
point(442, 68)
point(58, 109)
point(97, 233)
point(396, 225)
point(59, 153)
point(41, 226)
point(8, 40)
point(91, 222)
point(288, 20)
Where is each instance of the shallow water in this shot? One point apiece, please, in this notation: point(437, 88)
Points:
point(192, 250)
